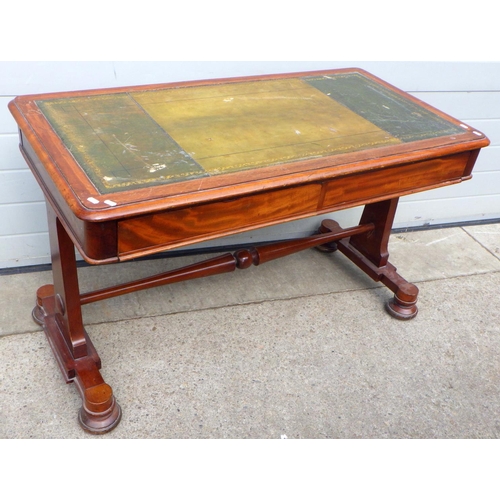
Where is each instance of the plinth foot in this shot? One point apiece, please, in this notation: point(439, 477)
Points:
point(403, 305)
point(100, 413)
point(43, 293)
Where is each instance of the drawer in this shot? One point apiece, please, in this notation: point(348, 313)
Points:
point(393, 182)
point(174, 228)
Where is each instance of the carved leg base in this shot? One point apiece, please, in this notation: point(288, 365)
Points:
point(100, 412)
point(404, 303)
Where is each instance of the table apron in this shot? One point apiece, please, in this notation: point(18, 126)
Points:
point(168, 229)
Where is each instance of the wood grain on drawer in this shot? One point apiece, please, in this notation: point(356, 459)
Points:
point(173, 228)
point(395, 181)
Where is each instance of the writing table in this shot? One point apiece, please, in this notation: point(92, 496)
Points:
point(130, 172)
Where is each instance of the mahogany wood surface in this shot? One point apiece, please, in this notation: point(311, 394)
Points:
point(146, 215)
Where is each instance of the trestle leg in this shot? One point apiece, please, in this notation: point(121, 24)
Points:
point(58, 310)
point(369, 251)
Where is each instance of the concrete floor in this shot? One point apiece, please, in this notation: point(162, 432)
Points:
point(300, 347)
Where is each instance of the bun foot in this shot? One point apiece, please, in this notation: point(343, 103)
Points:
point(403, 305)
point(100, 413)
point(44, 293)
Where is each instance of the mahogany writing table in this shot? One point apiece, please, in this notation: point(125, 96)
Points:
point(133, 171)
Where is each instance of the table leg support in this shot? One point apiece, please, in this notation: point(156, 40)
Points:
point(369, 251)
point(100, 412)
point(58, 306)
point(58, 311)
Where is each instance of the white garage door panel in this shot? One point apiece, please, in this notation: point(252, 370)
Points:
point(23, 218)
point(19, 186)
point(7, 123)
point(447, 211)
point(409, 76)
point(10, 156)
point(23, 250)
point(488, 161)
point(438, 76)
point(464, 105)
point(20, 77)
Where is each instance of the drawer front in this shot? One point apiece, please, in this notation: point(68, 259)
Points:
point(175, 228)
point(395, 181)
point(170, 229)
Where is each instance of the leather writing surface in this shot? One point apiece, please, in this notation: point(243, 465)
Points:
point(137, 139)
point(239, 126)
point(116, 143)
point(388, 110)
